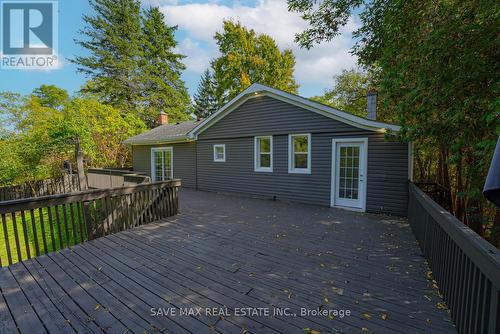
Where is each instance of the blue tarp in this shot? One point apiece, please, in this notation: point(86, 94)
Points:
point(492, 185)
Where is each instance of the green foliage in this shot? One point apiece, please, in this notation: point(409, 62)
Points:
point(438, 65)
point(132, 64)
point(247, 58)
point(40, 138)
point(349, 92)
point(205, 100)
point(160, 70)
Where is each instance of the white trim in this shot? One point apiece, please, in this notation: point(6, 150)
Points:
point(291, 153)
point(410, 161)
point(215, 152)
point(363, 188)
point(256, 90)
point(153, 165)
point(256, 154)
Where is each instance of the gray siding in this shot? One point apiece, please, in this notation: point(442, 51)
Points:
point(387, 161)
point(184, 161)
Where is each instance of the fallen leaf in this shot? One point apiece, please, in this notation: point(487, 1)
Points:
point(384, 316)
point(311, 331)
point(441, 306)
point(97, 307)
point(367, 315)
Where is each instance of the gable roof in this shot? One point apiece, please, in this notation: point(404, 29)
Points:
point(259, 90)
point(164, 133)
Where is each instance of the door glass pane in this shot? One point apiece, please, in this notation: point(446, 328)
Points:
point(168, 164)
point(349, 171)
point(158, 161)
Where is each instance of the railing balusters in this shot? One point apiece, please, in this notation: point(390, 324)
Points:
point(16, 236)
point(6, 236)
point(465, 266)
point(35, 232)
point(98, 213)
point(25, 235)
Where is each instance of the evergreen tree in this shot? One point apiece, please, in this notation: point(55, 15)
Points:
point(205, 100)
point(113, 39)
point(132, 63)
point(161, 68)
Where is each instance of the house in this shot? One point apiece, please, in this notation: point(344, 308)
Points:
point(269, 143)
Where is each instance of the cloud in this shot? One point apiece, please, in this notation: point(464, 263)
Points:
point(199, 22)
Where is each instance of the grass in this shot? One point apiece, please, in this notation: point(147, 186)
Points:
point(43, 228)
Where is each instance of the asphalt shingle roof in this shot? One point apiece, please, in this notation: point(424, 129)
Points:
point(164, 133)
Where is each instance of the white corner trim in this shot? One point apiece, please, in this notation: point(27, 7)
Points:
point(215, 152)
point(291, 153)
point(261, 90)
point(334, 172)
point(256, 155)
point(153, 165)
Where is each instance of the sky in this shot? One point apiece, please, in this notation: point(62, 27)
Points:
point(197, 23)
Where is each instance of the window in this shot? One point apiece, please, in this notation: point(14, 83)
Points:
point(220, 153)
point(263, 154)
point(161, 163)
point(299, 153)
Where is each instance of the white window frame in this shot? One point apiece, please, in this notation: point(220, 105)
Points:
point(153, 165)
point(215, 152)
point(257, 153)
point(291, 154)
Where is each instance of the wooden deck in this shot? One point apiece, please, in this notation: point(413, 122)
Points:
point(225, 251)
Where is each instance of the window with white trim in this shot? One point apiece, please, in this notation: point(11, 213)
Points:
point(263, 154)
point(220, 153)
point(299, 153)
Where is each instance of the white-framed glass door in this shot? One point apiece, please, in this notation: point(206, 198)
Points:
point(349, 169)
point(162, 163)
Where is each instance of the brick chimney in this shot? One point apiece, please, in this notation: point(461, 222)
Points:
point(162, 118)
point(371, 104)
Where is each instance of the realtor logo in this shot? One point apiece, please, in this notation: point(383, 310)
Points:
point(29, 34)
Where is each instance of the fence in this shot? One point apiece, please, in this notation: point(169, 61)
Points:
point(65, 184)
point(35, 226)
point(465, 266)
point(98, 178)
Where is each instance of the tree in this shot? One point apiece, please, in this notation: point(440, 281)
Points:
point(161, 68)
point(40, 137)
point(438, 64)
point(349, 92)
point(205, 100)
point(132, 64)
point(51, 96)
point(247, 58)
point(113, 39)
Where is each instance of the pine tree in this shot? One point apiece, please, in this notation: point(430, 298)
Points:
point(161, 69)
point(113, 39)
point(205, 100)
point(132, 63)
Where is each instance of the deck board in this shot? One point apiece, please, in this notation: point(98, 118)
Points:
point(228, 251)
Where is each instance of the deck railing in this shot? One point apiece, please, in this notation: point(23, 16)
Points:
point(101, 178)
point(34, 226)
point(465, 266)
point(64, 184)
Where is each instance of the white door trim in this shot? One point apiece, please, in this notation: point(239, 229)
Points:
point(363, 141)
point(153, 166)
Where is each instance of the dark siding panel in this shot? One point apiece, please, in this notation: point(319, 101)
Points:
point(184, 161)
point(386, 187)
point(265, 115)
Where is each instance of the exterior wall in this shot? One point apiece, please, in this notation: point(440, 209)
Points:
point(387, 175)
point(184, 156)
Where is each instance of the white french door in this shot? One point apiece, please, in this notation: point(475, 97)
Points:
point(349, 164)
point(162, 167)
